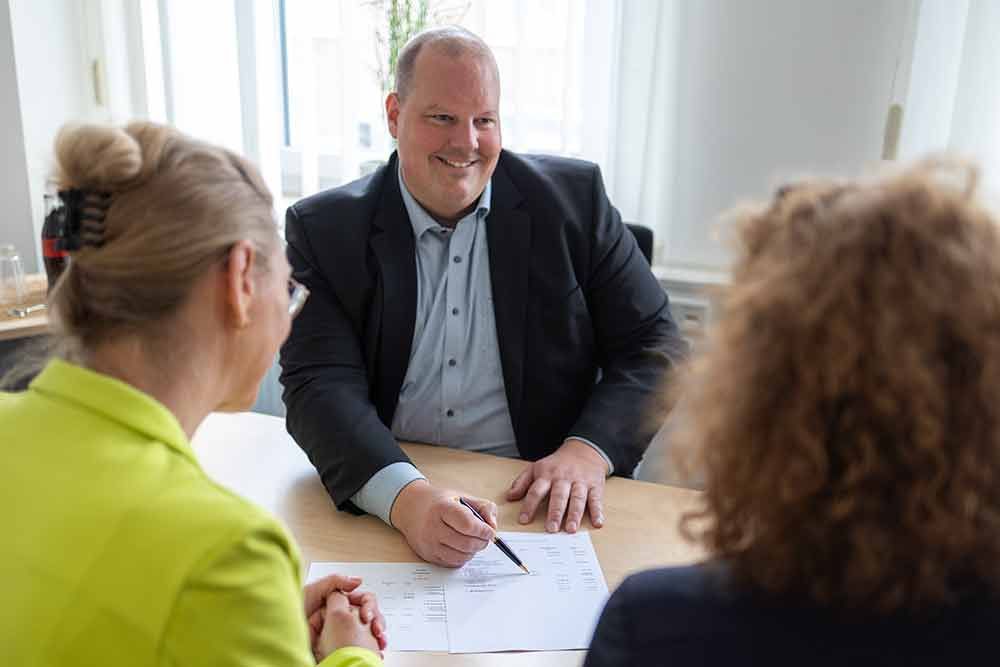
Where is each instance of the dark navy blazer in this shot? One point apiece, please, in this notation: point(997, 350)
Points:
point(584, 328)
point(690, 616)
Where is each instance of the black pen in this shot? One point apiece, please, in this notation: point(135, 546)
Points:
point(501, 545)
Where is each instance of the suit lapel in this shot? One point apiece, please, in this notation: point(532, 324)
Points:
point(508, 230)
point(393, 246)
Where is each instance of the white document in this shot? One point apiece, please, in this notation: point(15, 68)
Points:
point(410, 596)
point(490, 604)
point(493, 606)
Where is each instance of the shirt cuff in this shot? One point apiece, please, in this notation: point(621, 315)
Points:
point(379, 493)
point(607, 459)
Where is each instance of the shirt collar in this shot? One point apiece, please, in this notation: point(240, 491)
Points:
point(114, 400)
point(421, 220)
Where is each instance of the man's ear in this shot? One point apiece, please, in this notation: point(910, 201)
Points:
point(240, 288)
point(392, 105)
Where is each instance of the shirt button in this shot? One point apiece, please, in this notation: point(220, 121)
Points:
point(454, 311)
point(456, 259)
point(450, 413)
point(452, 362)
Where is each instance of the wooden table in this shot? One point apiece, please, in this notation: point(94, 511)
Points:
point(253, 455)
point(37, 323)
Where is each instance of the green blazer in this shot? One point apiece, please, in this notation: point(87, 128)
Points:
point(121, 551)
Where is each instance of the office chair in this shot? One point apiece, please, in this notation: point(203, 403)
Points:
point(644, 237)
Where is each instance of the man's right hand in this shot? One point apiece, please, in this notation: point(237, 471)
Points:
point(438, 527)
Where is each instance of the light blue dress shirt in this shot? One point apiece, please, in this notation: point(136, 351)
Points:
point(453, 393)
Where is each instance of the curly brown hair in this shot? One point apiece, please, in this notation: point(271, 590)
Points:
point(846, 412)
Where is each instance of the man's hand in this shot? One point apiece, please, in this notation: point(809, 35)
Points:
point(438, 527)
point(573, 479)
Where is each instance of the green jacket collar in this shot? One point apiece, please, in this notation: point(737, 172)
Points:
point(114, 400)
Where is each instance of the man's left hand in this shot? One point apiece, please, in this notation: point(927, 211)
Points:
point(573, 479)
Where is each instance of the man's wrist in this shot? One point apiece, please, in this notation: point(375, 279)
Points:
point(593, 449)
point(379, 493)
point(405, 500)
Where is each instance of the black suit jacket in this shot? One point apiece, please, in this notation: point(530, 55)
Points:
point(574, 301)
point(693, 616)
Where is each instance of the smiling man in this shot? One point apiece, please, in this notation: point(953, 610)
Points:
point(469, 297)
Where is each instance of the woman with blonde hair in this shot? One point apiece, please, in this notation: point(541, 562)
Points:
point(847, 422)
point(121, 551)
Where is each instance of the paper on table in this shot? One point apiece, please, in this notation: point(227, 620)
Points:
point(490, 604)
point(410, 596)
point(493, 606)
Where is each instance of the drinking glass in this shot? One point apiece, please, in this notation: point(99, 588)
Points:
point(12, 287)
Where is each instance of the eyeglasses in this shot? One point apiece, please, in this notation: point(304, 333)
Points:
point(297, 295)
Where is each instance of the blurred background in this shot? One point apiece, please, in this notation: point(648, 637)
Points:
point(688, 106)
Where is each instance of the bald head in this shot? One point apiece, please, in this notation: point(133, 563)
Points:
point(444, 115)
point(451, 41)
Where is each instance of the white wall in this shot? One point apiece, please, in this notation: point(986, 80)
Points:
point(934, 77)
point(975, 129)
point(769, 89)
point(15, 225)
point(52, 89)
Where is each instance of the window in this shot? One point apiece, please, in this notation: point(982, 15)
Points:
point(320, 59)
point(335, 125)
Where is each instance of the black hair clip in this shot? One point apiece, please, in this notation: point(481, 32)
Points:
point(85, 213)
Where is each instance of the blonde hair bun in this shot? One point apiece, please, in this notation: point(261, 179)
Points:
point(177, 206)
point(97, 157)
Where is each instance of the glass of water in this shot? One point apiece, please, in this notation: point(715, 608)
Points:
point(12, 287)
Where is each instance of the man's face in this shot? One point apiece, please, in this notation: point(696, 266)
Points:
point(448, 131)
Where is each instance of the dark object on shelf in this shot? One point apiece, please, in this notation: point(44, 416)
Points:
point(55, 257)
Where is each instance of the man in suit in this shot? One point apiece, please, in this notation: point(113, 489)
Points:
point(466, 296)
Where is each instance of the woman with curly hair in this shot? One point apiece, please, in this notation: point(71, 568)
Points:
point(846, 416)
